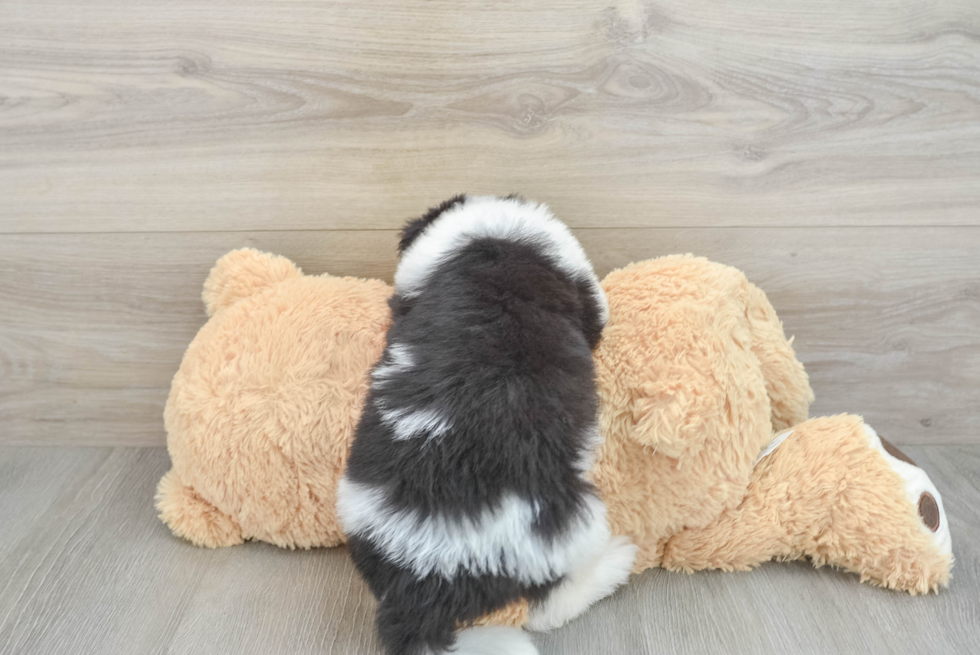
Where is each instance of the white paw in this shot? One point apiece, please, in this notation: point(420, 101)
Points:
point(494, 640)
point(594, 581)
point(919, 490)
point(615, 565)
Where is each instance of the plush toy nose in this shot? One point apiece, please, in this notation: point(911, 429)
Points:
point(929, 511)
point(928, 507)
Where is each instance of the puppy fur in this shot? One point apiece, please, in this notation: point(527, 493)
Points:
point(466, 489)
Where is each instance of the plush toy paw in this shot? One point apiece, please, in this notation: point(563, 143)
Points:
point(919, 490)
point(192, 517)
point(830, 491)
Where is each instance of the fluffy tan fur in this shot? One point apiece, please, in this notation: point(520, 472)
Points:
point(695, 376)
point(822, 494)
point(263, 409)
point(686, 403)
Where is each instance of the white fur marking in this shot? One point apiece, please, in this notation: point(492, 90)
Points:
point(408, 423)
point(396, 359)
point(503, 218)
point(916, 481)
point(494, 640)
point(500, 541)
point(593, 581)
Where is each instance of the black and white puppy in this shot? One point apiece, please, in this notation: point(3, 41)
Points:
point(466, 487)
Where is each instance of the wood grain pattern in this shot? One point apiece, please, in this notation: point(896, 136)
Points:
point(830, 149)
point(221, 115)
point(885, 319)
point(87, 568)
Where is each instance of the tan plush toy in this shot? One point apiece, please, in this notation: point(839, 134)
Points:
point(709, 460)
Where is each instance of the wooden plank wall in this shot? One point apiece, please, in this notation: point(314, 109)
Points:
point(831, 149)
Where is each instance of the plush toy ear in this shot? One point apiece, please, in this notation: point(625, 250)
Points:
point(242, 273)
point(675, 410)
point(653, 366)
point(675, 361)
point(787, 383)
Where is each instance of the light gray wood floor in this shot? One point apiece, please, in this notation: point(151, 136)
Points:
point(85, 567)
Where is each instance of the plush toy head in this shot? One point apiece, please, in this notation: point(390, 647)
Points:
point(695, 377)
point(262, 411)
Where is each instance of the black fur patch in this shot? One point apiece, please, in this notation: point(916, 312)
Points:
point(414, 228)
point(500, 341)
point(501, 345)
point(591, 314)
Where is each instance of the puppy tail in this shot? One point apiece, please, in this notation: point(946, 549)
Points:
point(494, 640)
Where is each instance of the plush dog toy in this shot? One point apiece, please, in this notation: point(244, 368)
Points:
point(708, 459)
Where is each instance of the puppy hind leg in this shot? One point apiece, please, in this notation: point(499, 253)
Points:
point(594, 580)
point(406, 630)
point(494, 640)
point(420, 633)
